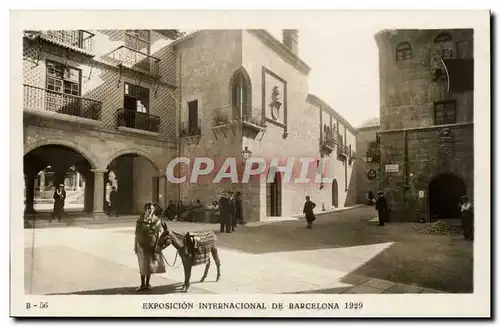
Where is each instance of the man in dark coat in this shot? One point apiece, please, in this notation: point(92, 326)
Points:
point(239, 209)
point(113, 201)
point(59, 198)
point(467, 213)
point(226, 211)
point(309, 212)
point(382, 208)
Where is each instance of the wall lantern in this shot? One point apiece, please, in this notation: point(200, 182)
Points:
point(246, 153)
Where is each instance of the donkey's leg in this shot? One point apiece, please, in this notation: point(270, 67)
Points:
point(207, 267)
point(215, 255)
point(187, 273)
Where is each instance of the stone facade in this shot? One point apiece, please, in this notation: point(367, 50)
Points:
point(369, 161)
point(210, 61)
point(416, 75)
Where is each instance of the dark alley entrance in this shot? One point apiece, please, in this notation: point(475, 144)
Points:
point(445, 191)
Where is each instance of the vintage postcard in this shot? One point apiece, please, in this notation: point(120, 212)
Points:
point(250, 164)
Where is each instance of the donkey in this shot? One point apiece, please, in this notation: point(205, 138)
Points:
point(194, 249)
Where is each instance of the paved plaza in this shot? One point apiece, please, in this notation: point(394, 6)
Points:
point(343, 253)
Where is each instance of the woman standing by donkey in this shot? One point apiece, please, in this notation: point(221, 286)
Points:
point(147, 230)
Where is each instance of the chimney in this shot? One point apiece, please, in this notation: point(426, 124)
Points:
point(291, 40)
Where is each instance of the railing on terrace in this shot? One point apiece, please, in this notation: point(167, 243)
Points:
point(244, 114)
point(136, 60)
point(328, 137)
point(187, 129)
point(36, 98)
point(138, 120)
point(75, 38)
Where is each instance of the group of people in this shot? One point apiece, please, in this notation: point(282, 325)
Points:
point(466, 211)
point(231, 211)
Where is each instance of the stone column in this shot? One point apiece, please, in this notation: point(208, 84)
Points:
point(29, 181)
point(98, 211)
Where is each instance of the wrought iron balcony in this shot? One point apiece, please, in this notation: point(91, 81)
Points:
point(342, 151)
point(187, 129)
point(80, 40)
point(36, 98)
point(138, 120)
point(328, 139)
point(249, 116)
point(135, 60)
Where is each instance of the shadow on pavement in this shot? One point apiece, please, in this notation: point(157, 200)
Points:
point(163, 289)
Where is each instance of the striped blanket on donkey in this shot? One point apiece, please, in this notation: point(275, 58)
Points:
point(198, 246)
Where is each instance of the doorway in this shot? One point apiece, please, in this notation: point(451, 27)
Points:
point(274, 190)
point(136, 103)
point(335, 194)
point(445, 191)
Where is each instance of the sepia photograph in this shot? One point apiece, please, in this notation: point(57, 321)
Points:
point(255, 170)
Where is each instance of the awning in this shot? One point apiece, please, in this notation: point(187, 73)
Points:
point(461, 74)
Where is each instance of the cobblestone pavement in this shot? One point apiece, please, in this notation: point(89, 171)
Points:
point(343, 253)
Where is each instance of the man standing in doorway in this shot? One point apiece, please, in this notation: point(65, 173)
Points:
point(239, 209)
point(382, 208)
point(467, 212)
point(225, 210)
point(59, 198)
point(113, 201)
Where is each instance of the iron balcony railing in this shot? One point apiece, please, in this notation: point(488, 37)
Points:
point(80, 39)
point(36, 98)
point(138, 120)
point(328, 137)
point(136, 60)
point(188, 128)
point(238, 114)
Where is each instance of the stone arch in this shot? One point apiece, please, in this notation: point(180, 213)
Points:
point(94, 162)
point(138, 152)
point(455, 187)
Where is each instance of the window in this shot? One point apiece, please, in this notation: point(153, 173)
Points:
point(240, 100)
point(138, 40)
point(193, 116)
point(403, 51)
point(445, 112)
point(136, 98)
point(63, 79)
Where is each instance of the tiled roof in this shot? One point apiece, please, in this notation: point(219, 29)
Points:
point(372, 122)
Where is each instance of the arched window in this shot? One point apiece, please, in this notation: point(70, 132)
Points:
point(443, 37)
point(241, 96)
point(403, 51)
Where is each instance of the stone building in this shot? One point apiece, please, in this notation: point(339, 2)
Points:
point(426, 121)
point(245, 90)
point(120, 105)
point(104, 103)
point(368, 165)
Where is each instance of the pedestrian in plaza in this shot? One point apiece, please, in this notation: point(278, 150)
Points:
point(371, 198)
point(225, 212)
point(107, 202)
point(467, 212)
point(59, 198)
point(239, 209)
point(309, 212)
point(382, 208)
point(113, 202)
point(147, 227)
point(171, 210)
point(232, 201)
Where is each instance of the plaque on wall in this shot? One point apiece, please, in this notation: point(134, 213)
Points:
point(274, 98)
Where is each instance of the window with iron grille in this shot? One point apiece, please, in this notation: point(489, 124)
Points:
point(444, 39)
point(138, 40)
point(445, 112)
point(63, 79)
point(403, 51)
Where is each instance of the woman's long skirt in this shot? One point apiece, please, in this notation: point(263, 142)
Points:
point(148, 264)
